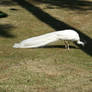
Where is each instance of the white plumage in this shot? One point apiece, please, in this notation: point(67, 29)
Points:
point(42, 40)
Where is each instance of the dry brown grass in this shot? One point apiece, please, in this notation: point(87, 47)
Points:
point(44, 76)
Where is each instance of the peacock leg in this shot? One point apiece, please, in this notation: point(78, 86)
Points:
point(66, 44)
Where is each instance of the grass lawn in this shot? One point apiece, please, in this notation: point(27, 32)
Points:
point(52, 68)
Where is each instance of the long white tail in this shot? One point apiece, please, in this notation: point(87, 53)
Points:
point(37, 41)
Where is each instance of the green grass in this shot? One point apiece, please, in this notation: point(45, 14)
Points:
point(51, 69)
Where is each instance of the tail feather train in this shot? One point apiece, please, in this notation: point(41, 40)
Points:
point(37, 41)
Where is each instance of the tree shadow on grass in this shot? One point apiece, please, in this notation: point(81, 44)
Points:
point(7, 2)
point(55, 23)
point(82, 5)
point(5, 30)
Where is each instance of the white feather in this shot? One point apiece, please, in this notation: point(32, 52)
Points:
point(45, 39)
